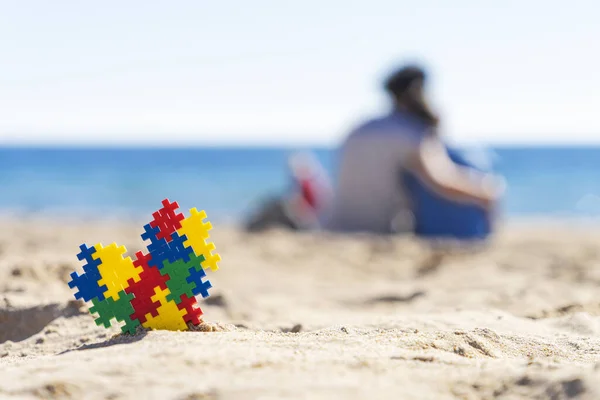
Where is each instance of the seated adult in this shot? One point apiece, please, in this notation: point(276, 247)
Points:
point(369, 195)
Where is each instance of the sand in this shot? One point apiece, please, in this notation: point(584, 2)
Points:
point(316, 316)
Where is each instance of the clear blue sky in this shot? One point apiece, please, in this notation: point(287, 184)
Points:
point(294, 72)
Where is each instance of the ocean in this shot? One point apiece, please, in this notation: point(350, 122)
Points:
point(229, 182)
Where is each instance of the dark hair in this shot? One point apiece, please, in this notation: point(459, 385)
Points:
point(406, 87)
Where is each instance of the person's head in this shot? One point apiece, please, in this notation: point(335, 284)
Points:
point(406, 86)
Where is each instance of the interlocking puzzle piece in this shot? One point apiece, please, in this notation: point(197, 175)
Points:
point(176, 270)
point(161, 250)
point(179, 272)
point(88, 288)
point(119, 309)
point(144, 289)
point(192, 308)
point(200, 288)
point(166, 220)
point(87, 283)
point(178, 250)
point(195, 224)
point(196, 231)
point(91, 266)
point(211, 260)
point(150, 233)
point(178, 284)
point(158, 248)
point(141, 260)
point(144, 308)
point(169, 317)
point(115, 270)
point(150, 277)
point(159, 256)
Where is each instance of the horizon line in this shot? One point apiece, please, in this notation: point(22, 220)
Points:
point(281, 145)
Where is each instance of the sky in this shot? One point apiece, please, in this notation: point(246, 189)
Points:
point(293, 73)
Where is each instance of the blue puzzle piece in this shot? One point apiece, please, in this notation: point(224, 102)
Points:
point(150, 234)
point(159, 255)
point(88, 287)
point(196, 276)
point(158, 248)
point(155, 243)
point(178, 251)
point(86, 254)
point(91, 266)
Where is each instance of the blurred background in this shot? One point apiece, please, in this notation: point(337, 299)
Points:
point(106, 108)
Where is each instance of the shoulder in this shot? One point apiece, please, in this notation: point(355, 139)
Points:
point(395, 125)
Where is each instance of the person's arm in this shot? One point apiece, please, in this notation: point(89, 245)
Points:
point(433, 166)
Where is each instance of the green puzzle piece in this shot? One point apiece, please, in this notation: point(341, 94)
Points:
point(120, 310)
point(178, 272)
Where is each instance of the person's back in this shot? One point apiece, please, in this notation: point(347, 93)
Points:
point(366, 198)
point(370, 195)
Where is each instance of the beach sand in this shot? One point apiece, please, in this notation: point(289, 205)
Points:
point(316, 316)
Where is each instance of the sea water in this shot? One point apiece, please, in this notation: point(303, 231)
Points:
point(229, 182)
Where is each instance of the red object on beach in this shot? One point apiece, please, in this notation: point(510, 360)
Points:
point(144, 289)
point(190, 304)
point(308, 192)
point(167, 220)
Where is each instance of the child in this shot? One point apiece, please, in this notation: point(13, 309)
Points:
point(311, 191)
point(303, 206)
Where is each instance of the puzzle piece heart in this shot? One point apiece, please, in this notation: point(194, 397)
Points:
point(156, 290)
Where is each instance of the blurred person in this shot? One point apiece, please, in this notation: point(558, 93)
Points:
point(381, 155)
point(440, 218)
point(303, 205)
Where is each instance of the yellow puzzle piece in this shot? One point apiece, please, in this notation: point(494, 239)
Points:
point(114, 269)
point(196, 232)
point(170, 317)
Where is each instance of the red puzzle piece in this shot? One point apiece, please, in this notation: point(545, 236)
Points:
point(143, 290)
point(193, 309)
point(167, 220)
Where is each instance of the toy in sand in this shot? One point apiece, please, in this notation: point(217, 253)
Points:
point(158, 289)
